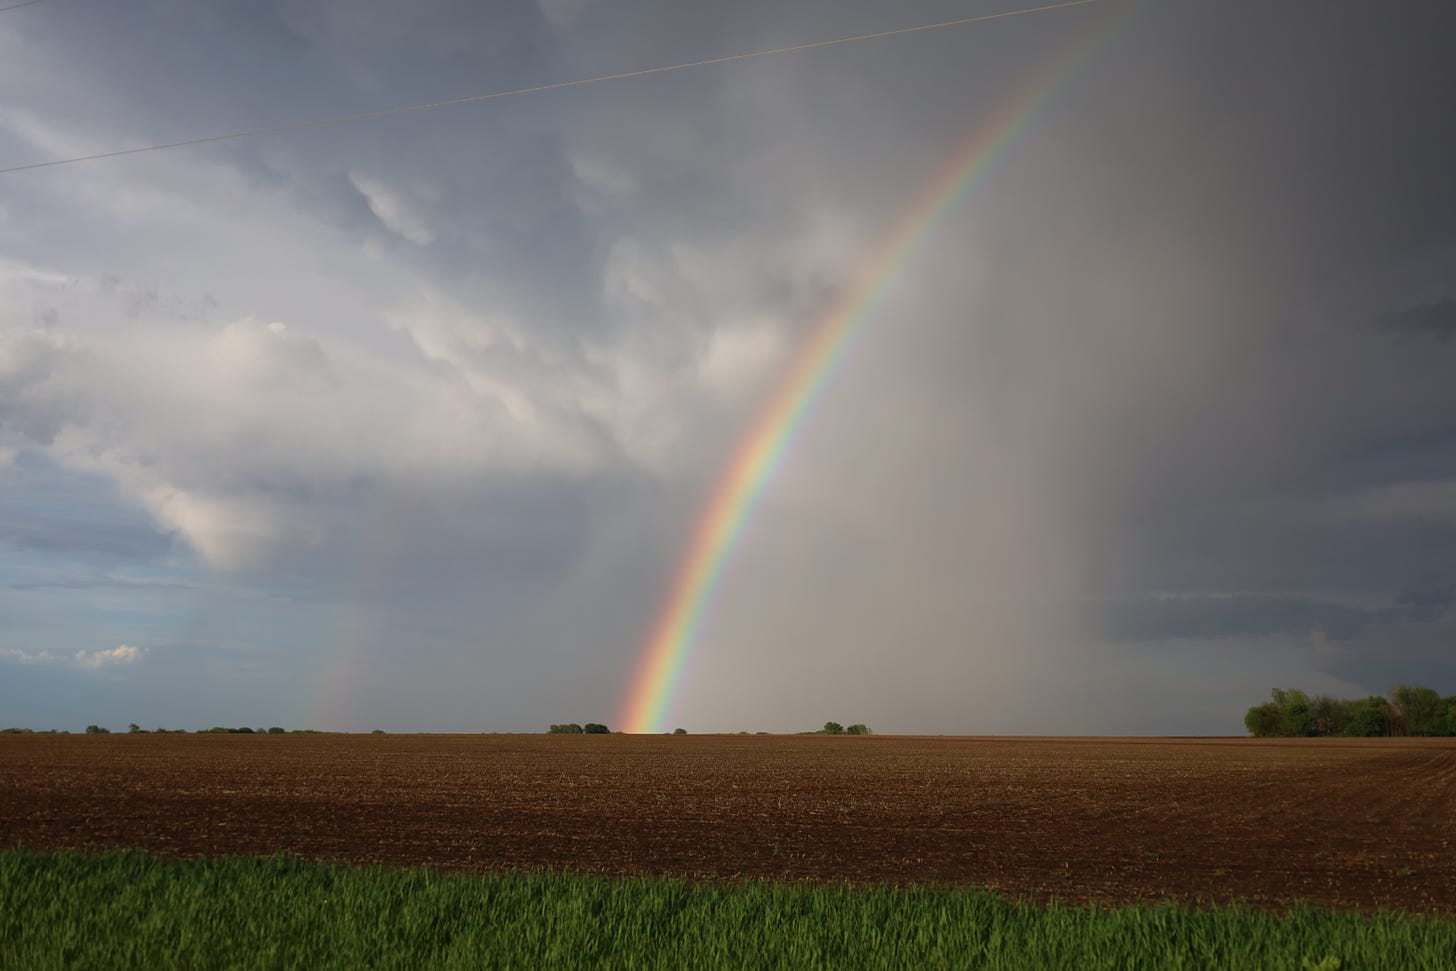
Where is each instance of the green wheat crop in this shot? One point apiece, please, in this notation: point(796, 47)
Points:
point(131, 910)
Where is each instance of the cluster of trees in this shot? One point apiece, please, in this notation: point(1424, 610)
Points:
point(572, 728)
point(1290, 713)
point(834, 728)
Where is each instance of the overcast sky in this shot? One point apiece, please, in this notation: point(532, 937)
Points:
point(405, 423)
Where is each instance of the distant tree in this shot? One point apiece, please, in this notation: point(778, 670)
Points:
point(571, 728)
point(134, 729)
point(1293, 706)
point(1450, 722)
point(679, 731)
point(859, 729)
point(1421, 710)
point(97, 730)
point(275, 730)
point(1368, 719)
point(377, 731)
point(1331, 715)
point(833, 728)
point(593, 728)
point(1394, 720)
point(1264, 721)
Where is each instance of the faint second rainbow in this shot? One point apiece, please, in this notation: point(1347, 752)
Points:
point(762, 449)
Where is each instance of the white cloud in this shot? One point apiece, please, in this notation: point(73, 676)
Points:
point(122, 654)
point(393, 209)
point(247, 438)
point(26, 657)
point(90, 660)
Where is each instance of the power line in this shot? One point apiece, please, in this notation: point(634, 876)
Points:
point(17, 6)
point(537, 89)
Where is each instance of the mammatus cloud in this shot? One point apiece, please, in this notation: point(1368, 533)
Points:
point(96, 660)
point(393, 209)
point(563, 13)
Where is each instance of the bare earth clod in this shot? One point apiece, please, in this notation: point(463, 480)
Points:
point(1347, 823)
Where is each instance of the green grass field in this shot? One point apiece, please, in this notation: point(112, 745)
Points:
point(131, 910)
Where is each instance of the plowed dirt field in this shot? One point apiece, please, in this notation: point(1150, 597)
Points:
point(1343, 822)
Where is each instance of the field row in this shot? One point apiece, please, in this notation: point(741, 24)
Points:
point(1350, 823)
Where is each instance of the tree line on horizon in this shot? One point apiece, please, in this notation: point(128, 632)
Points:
point(135, 729)
point(1407, 711)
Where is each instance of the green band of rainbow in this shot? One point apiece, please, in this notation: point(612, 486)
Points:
point(762, 450)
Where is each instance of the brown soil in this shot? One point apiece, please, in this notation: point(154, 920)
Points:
point(1343, 822)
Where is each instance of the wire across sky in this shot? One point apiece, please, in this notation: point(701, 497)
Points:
point(535, 89)
point(17, 6)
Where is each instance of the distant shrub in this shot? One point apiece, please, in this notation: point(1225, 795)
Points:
point(377, 731)
point(97, 730)
point(594, 728)
point(679, 731)
point(16, 731)
point(275, 730)
point(570, 728)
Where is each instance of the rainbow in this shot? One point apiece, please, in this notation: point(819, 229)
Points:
point(830, 342)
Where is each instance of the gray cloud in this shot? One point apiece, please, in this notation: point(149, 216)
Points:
point(95, 582)
point(1437, 319)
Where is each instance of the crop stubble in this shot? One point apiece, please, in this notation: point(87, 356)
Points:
point(1343, 822)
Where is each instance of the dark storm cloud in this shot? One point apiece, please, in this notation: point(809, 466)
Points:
point(1238, 616)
